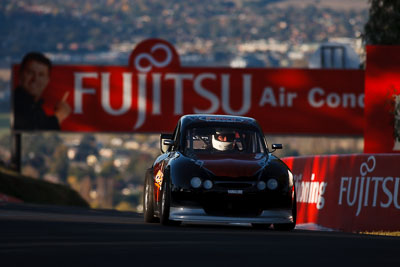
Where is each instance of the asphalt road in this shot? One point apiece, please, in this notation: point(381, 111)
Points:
point(59, 236)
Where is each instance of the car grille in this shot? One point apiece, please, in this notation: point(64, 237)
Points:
point(234, 185)
point(235, 179)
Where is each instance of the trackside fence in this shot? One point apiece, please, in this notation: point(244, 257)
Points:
point(357, 192)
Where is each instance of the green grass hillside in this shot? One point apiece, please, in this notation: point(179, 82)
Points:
point(35, 191)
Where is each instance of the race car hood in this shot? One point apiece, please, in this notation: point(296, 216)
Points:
point(233, 165)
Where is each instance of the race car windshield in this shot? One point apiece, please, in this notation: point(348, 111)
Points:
point(210, 140)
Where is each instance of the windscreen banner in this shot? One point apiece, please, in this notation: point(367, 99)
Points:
point(382, 98)
point(357, 192)
point(153, 91)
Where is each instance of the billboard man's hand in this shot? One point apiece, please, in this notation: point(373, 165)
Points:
point(62, 109)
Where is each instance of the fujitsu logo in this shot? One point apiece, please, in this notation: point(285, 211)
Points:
point(155, 67)
point(153, 62)
point(355, 191)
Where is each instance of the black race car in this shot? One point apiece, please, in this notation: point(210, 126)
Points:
point(219, 169)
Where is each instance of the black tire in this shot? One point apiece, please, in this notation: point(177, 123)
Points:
point(288, 226)
point(166, 204)
point(148, 198)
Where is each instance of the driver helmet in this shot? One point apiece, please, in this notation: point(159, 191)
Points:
point(223, 140)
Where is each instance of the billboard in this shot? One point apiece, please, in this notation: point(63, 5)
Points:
point(357, 192)
point(382, 99)
point(154, 90)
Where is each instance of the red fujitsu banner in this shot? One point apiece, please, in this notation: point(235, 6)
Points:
point(153, 91)
point(348, 192)
point(382, 99)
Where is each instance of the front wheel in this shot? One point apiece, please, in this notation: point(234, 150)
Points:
point(165, 204)
point(148, 198)
point(288, 226)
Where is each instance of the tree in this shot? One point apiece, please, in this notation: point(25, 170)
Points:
point(44, 144)
point(383, 26)
point(108, 170)
point(59, 164)
point(137, 166)
point(38, 150)
point(87, 147)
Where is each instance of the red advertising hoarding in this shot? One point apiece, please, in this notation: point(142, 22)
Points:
point(348, 192)
point(153, 91)
point(382, 99)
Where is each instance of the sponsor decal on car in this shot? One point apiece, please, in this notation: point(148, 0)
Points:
point(159, 178)
point(235, 192)
point(222, 119)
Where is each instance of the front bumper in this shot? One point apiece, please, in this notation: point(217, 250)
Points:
point(185, 214)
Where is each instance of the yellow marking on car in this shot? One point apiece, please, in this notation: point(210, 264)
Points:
point(159, 178)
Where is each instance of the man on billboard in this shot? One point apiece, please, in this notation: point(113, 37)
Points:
point(33, 78)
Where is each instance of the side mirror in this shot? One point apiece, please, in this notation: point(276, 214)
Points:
point(276, 146)
point(165, 142)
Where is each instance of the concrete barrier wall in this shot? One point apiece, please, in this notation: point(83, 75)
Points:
point(358, 192)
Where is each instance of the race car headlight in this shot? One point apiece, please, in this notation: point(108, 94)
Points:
point(272, 184)
point(207, 184)
point(195, 182)
point(261, 185)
